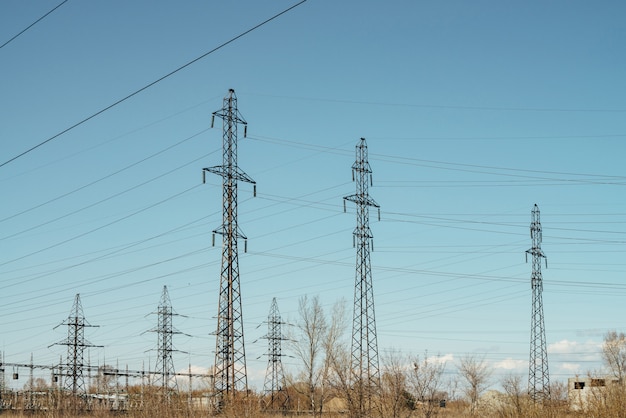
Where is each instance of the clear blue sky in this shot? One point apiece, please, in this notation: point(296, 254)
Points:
point(473, 112)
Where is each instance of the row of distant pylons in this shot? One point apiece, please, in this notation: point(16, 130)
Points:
point(230, 365)
point(229, 375)
point(69, 374)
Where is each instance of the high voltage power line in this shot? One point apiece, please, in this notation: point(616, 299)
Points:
point(121, 170)
point(277, 259)
point(33, 24)
point(435, 106)
point(147, 86)
point(455, 166)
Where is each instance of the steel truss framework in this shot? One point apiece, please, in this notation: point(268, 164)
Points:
point(230, 356)
point(166, 374)
point(76, 343)
point(364, 359)
point(273, 388)
point(538, 375)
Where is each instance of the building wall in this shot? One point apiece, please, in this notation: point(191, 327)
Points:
point(582, 390)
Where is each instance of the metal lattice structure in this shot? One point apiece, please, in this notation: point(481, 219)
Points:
point(165, 375)
point(364, 360)
point(2, 377)
point(538, 376)
point(230, 356)
point(76, 343)
point(273, 388)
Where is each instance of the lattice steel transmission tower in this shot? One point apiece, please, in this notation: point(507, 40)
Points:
point(274, 385)
point(76, 343)
point(230, 355)
point(364, 360)
point(165, 375)
point(538, 376)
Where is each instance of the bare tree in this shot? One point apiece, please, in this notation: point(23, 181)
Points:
point(614, 353)
point(308, 347)
point(558, 391)
point(476, 376)
point(319, 345)
point(515, 394)
point(337, 356)
point(425, 382)
point(396, 401)
point(452, 387)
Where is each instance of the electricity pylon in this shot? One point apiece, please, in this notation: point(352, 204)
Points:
point(76, 344)
point(364, 359)
point(274, 387)
point(538, 376)
point(165, 375)
point(230, 355)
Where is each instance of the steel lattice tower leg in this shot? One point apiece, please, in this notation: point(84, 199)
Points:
point(274, 376)
point(76, 344)
point(230, 355)
point(364, 363)
point(164, 362)
point(2, 378)
point(538, 376)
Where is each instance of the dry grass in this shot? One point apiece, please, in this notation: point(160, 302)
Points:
point(610, 404)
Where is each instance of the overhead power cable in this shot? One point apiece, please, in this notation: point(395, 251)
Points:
point(147, 86)
point(91, 205)
point(84, 186)
point(436, 106)
point(32, 24)
point(101, 227)
point(463, 167)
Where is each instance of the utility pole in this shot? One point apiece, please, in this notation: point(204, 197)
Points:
point(165, 375)
point(538, 376)
point(76, 344)
point(364, 359)
point(230, 355)
point(274, 387)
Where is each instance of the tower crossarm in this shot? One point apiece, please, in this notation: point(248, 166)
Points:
point(236, 174)
point(362, 200)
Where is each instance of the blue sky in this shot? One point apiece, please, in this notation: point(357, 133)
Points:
point(473, 112)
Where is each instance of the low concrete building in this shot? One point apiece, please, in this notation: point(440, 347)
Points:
point(583, 390)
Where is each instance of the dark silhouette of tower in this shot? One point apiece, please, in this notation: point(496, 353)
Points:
point(230, 356)
point(76, 344)
point(538, 376)
point(364, 360)
point(276, 396)
point(165, 375)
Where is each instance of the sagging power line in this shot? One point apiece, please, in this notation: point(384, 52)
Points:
point(147, 86)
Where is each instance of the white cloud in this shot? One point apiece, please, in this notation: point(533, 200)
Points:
point(574, 347)
point(563, 347)
point(564, 356)
point(571, 367)
point(446, 358)
point(511, 364)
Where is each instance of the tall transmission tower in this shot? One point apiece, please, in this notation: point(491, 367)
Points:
point(76, 344)
point(275, 377)
point(364, 359)
point(538, 376)
point(165, 375)
point(230, 355)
